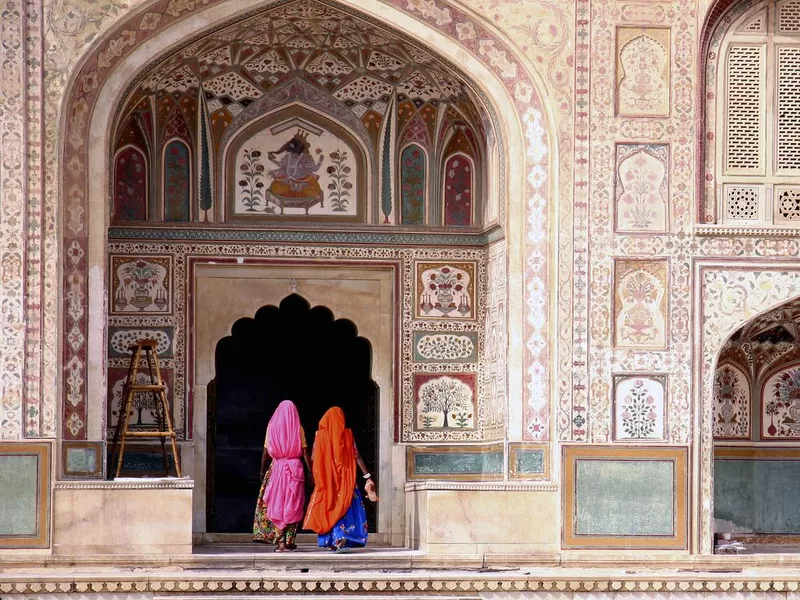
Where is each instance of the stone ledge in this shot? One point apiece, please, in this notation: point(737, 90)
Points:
point(479, 486)
point(128, 483)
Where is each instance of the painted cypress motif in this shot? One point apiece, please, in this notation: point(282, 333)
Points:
point(130, 185)
point(205, 164)
point(412, 185)
point(386, 175)
point(177, 181)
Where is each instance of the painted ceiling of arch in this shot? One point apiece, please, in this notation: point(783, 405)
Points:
point(357, 64)
point(766, 340)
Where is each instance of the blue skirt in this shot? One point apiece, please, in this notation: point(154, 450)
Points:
point(352, 527)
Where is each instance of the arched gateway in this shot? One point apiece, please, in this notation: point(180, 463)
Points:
point(309, 146)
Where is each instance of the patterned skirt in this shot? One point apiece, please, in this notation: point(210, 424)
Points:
point(352, 527)
point(265, 530)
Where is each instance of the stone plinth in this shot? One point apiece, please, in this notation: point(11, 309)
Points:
point(123, 516)
point(479, 518)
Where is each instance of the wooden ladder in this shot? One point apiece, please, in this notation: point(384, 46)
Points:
point(163, 414)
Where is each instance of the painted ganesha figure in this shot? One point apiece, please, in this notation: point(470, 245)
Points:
point(295, 183)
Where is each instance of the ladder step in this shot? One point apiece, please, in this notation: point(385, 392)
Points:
point(155, 434)
point(147, 388)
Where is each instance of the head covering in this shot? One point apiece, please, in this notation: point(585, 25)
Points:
point(285, 493)
point(334, 472)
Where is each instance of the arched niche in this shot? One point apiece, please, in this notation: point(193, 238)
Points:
point(297, 165)
point(731, 298)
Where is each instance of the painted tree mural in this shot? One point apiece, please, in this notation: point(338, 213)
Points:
point(447, 396)
point(177, 181)
point(412, 185)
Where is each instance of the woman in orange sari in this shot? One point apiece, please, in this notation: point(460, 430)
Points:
point(336, 509)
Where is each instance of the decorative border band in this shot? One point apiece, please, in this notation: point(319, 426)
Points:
point(769, 232)
point(426, 486)
point(352, 584)
point(178, 484)
point(305, 236)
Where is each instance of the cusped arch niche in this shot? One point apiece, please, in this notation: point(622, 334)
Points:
point(297, 163)
point(359, 82)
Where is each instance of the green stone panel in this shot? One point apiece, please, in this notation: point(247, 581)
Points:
point(81, 460)
point(762, 496)
point(624, 497)
point(529, 462)
point(19, 481)
point(459, 463)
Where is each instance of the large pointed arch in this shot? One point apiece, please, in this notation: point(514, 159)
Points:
point(524, 128)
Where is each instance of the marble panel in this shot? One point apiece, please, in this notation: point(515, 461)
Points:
point(528, 461)
point(756, 490)
point(447, 531)
point(625, 497)
point(24, 495)
point(468, 463)
point(82, 459)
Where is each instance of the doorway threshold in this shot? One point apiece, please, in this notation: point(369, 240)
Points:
point(376, 540)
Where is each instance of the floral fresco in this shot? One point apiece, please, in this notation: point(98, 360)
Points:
point(731, 403)
point(412, 185)
point(640, 403)
point(445, 290)
point(780, 410)
point(130, 185)
point(642, 188)
point(140, 285)
point(643, 71)
point(640, 304)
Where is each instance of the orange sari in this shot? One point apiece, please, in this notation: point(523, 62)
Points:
point(334, 460)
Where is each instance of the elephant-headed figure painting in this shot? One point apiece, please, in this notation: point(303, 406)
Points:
point(297, 170)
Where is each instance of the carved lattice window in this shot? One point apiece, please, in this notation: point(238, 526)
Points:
point(757, 111)
point(787, 204)
point(741, 202)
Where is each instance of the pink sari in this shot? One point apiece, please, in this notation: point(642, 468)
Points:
point(285, 493)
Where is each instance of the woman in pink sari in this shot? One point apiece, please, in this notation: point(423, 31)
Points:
point(282, 497)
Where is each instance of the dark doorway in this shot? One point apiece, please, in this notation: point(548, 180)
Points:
point(292, 352)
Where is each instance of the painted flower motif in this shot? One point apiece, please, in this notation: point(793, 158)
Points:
point(150, 21)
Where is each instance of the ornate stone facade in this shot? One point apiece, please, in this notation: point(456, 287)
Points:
point(547, 185)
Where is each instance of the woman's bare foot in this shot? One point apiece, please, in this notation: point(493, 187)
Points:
point(281, 547)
